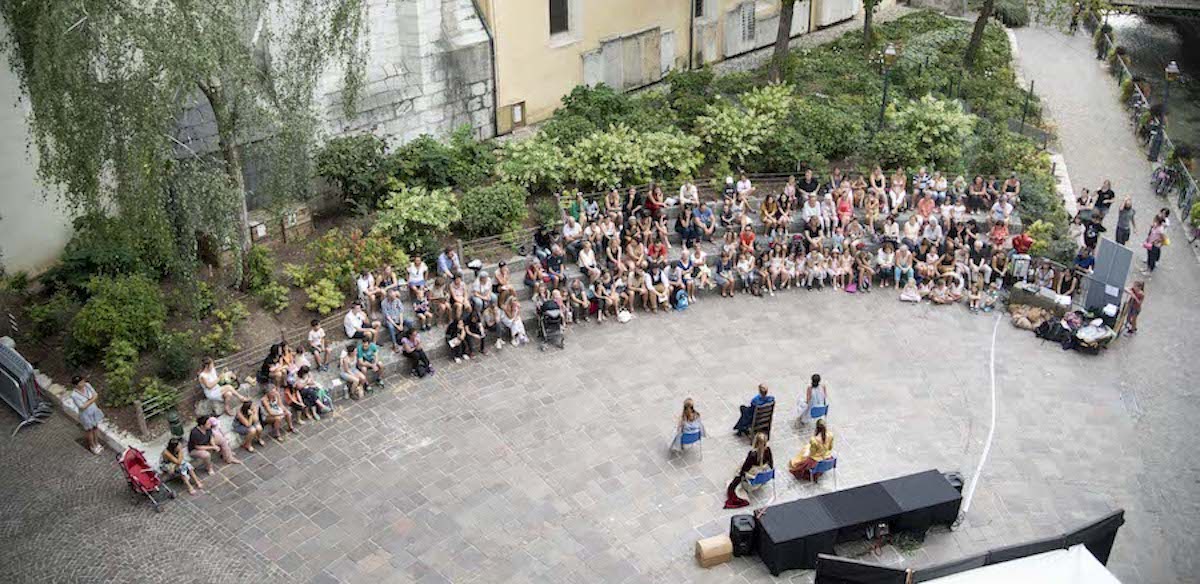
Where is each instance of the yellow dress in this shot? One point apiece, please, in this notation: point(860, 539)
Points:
point(816, 449)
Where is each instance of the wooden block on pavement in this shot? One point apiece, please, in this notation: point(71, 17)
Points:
point(714, 550)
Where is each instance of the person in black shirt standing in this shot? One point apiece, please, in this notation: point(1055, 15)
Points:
point(1104, 199)
point(1092, 230)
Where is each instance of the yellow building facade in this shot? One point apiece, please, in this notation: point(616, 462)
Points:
point(545, 48)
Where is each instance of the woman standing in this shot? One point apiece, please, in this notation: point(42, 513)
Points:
point(1154, 243)
point(85, 397)
point(1137, 295)
point(819, 447)
point(688, 423)
point(757, 460)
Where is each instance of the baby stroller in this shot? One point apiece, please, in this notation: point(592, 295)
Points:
point(551, 320)
point(143, 480)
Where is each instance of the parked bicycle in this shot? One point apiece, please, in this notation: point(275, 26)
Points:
point(1164, 179)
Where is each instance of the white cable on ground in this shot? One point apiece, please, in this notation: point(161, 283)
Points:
point(987, 447)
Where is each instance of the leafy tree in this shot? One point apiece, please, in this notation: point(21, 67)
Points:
point(107, 82)
point(782, 37)
point(869, 7)
point(985, 12)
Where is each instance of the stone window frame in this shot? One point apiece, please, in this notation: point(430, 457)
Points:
point(573, 34)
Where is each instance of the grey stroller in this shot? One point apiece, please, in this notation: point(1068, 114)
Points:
point(551, 319)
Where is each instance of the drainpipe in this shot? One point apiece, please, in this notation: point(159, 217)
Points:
point(691, 8)
point(487, 29)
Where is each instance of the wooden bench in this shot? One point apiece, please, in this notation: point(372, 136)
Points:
point(153, 406)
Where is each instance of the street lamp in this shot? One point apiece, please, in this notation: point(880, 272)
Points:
point(890, 54)
point(1172, 74)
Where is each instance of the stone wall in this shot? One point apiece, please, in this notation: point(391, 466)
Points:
point(428, 71)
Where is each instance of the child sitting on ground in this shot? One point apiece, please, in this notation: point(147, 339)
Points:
point(975, 298)
point(910, 292)
point(991, 297)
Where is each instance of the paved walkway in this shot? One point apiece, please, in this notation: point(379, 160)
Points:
point(529, 466)
point(1156, 372)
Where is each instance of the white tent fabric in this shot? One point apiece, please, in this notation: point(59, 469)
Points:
point(1074, 565)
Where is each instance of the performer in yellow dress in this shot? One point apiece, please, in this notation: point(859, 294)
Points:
point(819, 447)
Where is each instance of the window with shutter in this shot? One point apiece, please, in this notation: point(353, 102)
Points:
point(699, 8)
point(559, 16)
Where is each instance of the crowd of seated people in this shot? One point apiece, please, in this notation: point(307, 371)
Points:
point(937, 239)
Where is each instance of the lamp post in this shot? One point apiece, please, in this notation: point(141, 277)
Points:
point(889, 58)
point(1172, 74)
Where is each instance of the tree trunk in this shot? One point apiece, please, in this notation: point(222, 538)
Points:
point(231, 151)
point(868, 18)
point(782, 38)
point(977, 35)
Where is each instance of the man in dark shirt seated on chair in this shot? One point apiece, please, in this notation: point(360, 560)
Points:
point(742, 428)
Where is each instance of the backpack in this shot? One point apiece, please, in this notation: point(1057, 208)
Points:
point(681, 300)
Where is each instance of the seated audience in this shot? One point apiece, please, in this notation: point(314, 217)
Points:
point(173, 463)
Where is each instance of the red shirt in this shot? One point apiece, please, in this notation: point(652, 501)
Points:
point(1022, 243)
point(747, 238)
point(658, 250)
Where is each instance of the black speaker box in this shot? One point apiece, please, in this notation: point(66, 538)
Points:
point(741, 531)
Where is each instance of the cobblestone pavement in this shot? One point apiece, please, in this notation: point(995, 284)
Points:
point(67, 516)
point(529, 466)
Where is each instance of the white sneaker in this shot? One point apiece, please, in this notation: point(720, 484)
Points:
point(499, 343)
point(466, 357)
point(457, 360)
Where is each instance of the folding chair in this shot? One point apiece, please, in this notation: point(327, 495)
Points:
point(761, 422)
point(757, 481)
point(824, 466)
point(817, 412)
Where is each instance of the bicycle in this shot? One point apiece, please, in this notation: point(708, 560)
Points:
point(1164, 178)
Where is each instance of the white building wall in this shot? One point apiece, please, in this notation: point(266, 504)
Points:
point(33, 229)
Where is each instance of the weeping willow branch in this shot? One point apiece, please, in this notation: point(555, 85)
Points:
point(109, 82)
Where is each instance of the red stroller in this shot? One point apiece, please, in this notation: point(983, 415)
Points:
point(143, 480)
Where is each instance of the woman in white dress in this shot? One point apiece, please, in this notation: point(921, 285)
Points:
point(816, 395)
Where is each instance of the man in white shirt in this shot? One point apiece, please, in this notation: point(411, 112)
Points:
point(356, 326)
point(571, 232)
